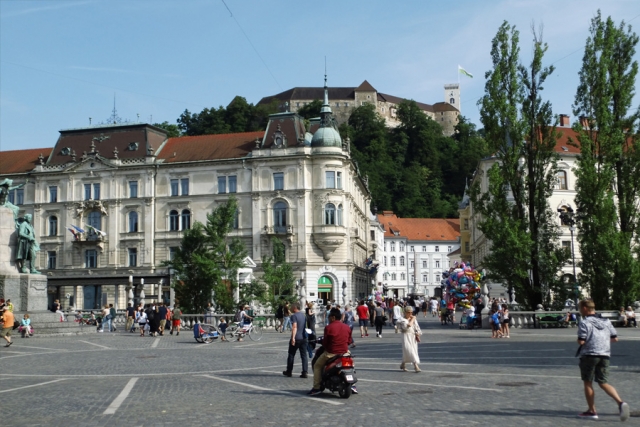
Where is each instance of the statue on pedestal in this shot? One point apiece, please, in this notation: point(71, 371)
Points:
point(5, 188)
point(27, 246)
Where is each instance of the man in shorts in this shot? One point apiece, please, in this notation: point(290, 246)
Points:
point(8, 319)
point(176, 314)
point(363, 316)
point(594, 336)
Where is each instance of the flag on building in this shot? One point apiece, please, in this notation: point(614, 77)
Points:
point(78, 229)
point(76, 235)
point(95, 230)
point(465, 72)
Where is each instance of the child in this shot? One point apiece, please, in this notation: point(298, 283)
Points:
point(505, 320)
point(222, 327)
point(495, 324)
point(142, 321)
point(26, 326)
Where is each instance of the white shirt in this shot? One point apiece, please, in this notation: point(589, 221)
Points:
point(142, 318)
point(630, 314)
point(434, 304)
point(471, 311)
point(397, 312)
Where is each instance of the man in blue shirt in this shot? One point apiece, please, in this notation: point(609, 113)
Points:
point(298, 341)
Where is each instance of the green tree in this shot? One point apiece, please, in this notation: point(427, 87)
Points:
point(278, 277)
point(514, 213)
point(172, 130)
point(207, 262)
point(311, 110)
point(608, 168)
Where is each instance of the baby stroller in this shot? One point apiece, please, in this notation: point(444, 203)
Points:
point(463, 322)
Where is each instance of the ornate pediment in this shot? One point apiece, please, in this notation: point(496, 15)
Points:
point(91, 163)
point(90, 205)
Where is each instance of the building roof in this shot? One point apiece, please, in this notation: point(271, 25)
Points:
point(21, 161)
point(310, 93)
point(456, 252)
point(420, 229)
point(209, 147)
point(566, 142)
point(365, 86)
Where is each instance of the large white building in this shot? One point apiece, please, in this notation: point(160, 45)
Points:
point(141, 189)
point(415, 253)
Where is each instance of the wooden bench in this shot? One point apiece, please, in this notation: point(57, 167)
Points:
point(557, 320)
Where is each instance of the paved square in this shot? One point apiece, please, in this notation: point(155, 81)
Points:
point(468, 379)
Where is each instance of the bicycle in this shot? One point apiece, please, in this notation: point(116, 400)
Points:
point(253, 329)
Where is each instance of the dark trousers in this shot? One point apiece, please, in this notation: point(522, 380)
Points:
point(300, 346)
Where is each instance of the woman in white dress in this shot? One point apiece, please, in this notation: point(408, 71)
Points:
point(410, 339)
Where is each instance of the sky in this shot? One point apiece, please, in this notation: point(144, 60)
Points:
point(64, 61)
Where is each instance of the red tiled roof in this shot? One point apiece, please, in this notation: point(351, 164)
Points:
point(209, 147)
point(436, 229)
point(21, 161)
point(563, 145)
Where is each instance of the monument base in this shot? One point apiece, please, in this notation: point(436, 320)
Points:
point(27, 292)
point(46, 323)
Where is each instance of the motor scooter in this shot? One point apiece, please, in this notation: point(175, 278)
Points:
point(339, 373)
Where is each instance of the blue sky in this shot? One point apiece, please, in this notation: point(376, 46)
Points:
point(62, 61)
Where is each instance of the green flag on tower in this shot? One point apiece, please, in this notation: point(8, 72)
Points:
point(465, 72)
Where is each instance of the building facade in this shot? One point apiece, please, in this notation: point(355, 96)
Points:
point(110, 204)
point(345, 99)
point(416, 253)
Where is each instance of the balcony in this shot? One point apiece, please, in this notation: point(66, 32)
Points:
point(282, 230)
point(328, 238)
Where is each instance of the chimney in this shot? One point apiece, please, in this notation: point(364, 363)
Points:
point(584, 122)
point(564, 121)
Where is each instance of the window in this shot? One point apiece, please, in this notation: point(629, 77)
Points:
point(393, 261)
point(280, 217)
point(53, 226)
point(384, 261)
point(330, 214)
point(278, 181)
point(184, 186)
point(233, 186)
point(96, 191)
point(330, 179)
point(173, 250)
point(403, 276)
point(174, 221)
point(424, 249)
point(133, 189)
point(87, 191)
point(425, 264)
point(466, 246)
point(51, 260)
point(236, 220)
point(133, 222)
point(412, 264)
point(133, 257)
point(452, 100)
point(91, 259)
point(393, 246)
point(95, 220)
point(413, 278)
point(562, 180)
point(222, 184)
point(449, 249)
point(566, 245)
point(186, 219)
point(385, 246)
point(466, 224)
point(413, 248)
point(373, 235)
point(174, 187)
point(437, 263)
point(393, 276)
point(424, 278)
point(339, 180)
point(437, 248)
point(53, 194)
point(339, 216)
point(401, 246)
point(437, 278)
point(402, 261)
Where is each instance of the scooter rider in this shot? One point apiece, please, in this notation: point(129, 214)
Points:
point(337, 337)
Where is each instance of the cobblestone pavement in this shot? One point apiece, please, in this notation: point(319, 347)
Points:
point(468, 379)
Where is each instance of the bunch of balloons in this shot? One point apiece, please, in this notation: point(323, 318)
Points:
point(462, 285)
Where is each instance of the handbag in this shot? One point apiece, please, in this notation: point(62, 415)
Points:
point(16, 324)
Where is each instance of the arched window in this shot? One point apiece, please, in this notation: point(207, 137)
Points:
point(53, 226)
point(280, 217)
point(401, 246)
point(452, 101)
point(339, 217)
point(95, 219)
point(330, 214)
point(174, 221)
point(402, 261)
point(186, 219)
point(133, 222)
point(393, 261)
point(562, 180)
point(393, 276)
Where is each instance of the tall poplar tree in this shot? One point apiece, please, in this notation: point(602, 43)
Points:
point(514, 213)
point(608, 168)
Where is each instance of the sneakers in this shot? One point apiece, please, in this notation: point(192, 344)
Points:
point(9, 344)
point(588, 415)
point(624, 411)
point(366, 335)
point(303, 375)
point(377, 335)
point(314, 392)
point(380, 336)
point(361, 336)
point(354, 390)
point(286, 373)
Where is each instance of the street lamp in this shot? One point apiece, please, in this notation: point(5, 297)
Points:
point(344, 292)
point(566, 218)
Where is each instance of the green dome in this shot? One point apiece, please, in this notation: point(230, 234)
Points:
point(326, 137)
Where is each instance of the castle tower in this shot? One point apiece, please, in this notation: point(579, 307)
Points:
point(452, 95)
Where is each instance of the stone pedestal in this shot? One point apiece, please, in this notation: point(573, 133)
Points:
point(28, 292)
point(8, 240)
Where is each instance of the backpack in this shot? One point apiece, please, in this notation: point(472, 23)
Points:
point(238, 316)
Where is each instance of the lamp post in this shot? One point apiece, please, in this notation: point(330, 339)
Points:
point(567, 219)
point(344, 292)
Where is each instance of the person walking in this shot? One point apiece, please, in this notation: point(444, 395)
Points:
point(397, 315)
point(286, 311)
point(298, 342)
point(506, 321)
point(410, 338)
point(176, 315)
point(106, 318)
point(131, 318)
point(363, 319)
point(348, 319)
point(141, 317)
point(112, 313)
point(7, 319)
point(280, 318)
point(378, 319)
point(595, 335)
point(162, 315)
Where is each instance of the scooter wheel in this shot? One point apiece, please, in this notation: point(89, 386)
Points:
point(345, 391)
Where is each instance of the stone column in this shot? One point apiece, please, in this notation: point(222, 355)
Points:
point(75, 297)
point(116, 298)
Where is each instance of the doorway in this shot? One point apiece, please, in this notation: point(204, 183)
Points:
point(92, 297)
point(325, 289)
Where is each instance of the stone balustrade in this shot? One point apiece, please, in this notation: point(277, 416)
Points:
point(188, 320)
